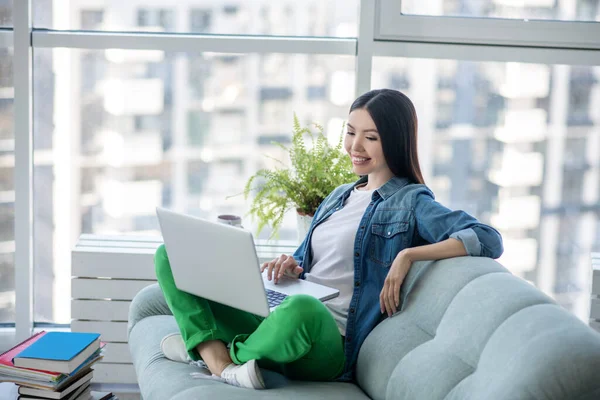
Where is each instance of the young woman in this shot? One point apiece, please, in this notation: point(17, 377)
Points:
point(363, 240)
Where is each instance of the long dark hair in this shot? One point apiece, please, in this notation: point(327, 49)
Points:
point(396, 121)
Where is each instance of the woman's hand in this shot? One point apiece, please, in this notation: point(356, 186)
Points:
point(389, 299)
point(283, 264)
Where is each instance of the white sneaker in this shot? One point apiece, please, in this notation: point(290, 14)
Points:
point(247, 375)
point(174, 349)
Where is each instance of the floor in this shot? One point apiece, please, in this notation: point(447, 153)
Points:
point(8, 391)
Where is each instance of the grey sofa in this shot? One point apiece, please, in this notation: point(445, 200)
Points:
point(468, 330)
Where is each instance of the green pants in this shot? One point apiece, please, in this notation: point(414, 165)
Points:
point(299, 339)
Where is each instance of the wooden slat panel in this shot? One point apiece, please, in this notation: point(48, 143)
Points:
point(114, 373)
point(595, 309)
point(123, 263)
point(100, 310)
point(96, 262)
point(87, 288)
point(596, 286)
point(115, 238)
point(117, 353)
point(118, 244)
point(109, 331)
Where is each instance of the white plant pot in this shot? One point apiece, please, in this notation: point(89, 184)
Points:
point(304, 222)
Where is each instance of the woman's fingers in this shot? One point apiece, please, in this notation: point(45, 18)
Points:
point(273, 267)
point(285, 265)
point(264, 266)
point(387, 299)
point(384, 299)
point(270, 269)
point(278, 267)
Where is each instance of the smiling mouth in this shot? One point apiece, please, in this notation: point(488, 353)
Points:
point(360, 160)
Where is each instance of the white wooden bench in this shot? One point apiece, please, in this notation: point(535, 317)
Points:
point(107, 272)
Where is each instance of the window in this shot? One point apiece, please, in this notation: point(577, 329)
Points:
point(6, 8)
point(161, 19)
point(580, 10)
point(486, 130)
point(200, 20)
point(330, 18)
point(92, 19)
point(131, 133)
point(7, 189)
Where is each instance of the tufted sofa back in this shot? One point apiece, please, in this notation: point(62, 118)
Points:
point(469, 329)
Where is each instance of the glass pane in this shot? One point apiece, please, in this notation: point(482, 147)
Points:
point(7, 188)
point(335, 18)
point(131, 130)
point(516, 145)
point(573, 10)
point(6, 8)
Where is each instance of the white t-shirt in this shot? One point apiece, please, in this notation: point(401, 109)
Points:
point(332, 245)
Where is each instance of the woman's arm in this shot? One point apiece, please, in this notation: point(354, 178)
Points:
point(445, 249)
point(436, 223)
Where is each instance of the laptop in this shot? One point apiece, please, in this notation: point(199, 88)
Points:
point(219, 262)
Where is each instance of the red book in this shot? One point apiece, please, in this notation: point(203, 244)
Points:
point(8, 368)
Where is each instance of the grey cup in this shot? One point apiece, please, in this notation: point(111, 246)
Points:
point(228, 219)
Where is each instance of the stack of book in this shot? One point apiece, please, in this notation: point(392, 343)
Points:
point(54, 365)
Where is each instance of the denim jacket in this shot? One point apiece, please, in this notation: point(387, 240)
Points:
point(400, 215)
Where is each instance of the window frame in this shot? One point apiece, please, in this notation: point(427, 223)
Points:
point(392, 25)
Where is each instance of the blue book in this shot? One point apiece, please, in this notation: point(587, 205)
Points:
point(59, 351)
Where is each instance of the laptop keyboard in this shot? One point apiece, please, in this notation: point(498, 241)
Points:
point(274, 298)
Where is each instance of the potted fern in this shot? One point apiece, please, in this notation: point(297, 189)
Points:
point(313, 173)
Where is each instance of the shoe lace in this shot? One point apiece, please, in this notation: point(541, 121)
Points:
point(225, 377)
point(230, 378)
point(199, 364)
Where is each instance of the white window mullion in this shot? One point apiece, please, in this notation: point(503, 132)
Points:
point(23, 169)
point(364, 47)
point(197, 43)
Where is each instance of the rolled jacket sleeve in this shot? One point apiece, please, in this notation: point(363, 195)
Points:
point(436, 223)
point(470, 240)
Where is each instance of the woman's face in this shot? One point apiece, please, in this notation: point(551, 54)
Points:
point(363, 144)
